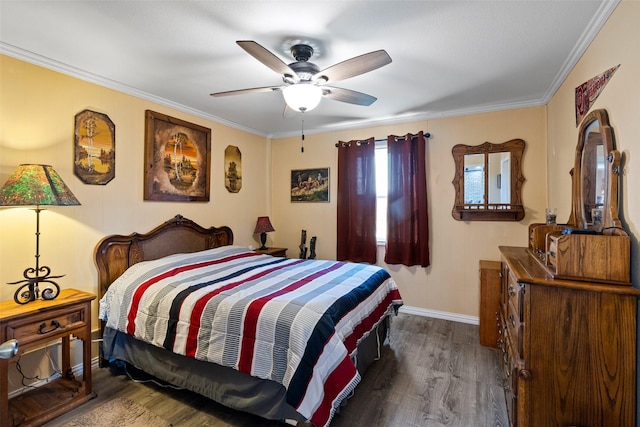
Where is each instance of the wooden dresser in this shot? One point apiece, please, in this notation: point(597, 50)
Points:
point(568, 346)
point(567, 311)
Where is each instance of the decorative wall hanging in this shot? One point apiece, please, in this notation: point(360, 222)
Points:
point(177, 159)
point(94, 148)
point(232, 169)
point(310, 185)
point(588, 92)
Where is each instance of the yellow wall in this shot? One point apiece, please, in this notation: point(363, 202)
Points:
point(451, 283)
point(37, 109)
point(618, 42)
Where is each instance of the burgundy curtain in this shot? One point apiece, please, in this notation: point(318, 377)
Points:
point(356, 202)
point(407, 217)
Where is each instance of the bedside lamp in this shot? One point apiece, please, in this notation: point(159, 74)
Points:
point(263, 226)
point(36, 185)
point(8, 349)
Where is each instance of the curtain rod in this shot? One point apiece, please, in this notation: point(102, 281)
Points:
point(427, 135)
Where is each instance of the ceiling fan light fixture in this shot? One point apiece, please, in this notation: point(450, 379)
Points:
point(302, 96)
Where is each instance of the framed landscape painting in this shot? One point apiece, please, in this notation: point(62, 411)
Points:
point(177, 159)
point(310, 185)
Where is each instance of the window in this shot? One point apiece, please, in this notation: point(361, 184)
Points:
point(474, 185)
point(381, 190)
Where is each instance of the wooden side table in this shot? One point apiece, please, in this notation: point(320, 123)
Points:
point(273, 251)
point(36, 324)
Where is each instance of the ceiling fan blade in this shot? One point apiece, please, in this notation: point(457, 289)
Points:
point(347, 95)
point(267, 58)
point(245, 91)
point(354, 66)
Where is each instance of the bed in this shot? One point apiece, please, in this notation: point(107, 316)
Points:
point(285, 339)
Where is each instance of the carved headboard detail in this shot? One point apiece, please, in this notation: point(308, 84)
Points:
point(115, 253)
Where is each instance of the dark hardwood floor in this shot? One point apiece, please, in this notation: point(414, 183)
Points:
point(433, 373)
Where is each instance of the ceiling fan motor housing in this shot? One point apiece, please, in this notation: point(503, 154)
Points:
point(304, 69)
point(301, 52)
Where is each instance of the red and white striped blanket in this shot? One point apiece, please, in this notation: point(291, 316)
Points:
point(293, 321)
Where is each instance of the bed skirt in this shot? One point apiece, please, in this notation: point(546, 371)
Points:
point(224, 385)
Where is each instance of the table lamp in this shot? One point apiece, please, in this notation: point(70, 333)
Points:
point(36, 185)
point(263, 226)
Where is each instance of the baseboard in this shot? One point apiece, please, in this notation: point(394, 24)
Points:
point(454, 317)
point(76, 370)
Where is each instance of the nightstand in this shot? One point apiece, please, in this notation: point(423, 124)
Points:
point(273, 251)
point(36, 324)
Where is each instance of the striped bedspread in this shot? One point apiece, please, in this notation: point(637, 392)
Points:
point(296, 322)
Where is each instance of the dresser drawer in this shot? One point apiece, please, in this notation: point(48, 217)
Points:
point(51, 323)
point(509, 378)
point(515, 296)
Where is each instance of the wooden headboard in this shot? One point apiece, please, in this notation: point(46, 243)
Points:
point(115, 253)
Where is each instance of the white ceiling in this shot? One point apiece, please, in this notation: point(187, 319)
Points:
point(449, 57)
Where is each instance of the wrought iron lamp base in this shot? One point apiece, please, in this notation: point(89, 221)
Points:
point(30, 289)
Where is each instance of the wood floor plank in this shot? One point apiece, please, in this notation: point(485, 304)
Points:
point(433, 373)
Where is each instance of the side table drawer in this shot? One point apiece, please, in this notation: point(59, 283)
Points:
point(51, 323)
point(278, 252)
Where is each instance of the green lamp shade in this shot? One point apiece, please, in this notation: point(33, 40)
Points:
point(36, 185)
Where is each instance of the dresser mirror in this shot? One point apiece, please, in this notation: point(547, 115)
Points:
point(595, 176)
point(592, 245)
point(488, 181)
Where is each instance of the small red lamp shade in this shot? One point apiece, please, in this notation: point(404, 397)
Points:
point(263, 226)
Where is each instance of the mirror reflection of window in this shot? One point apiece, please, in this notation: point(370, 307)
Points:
point(600, 181)
point(474, 179)
point(593, 170)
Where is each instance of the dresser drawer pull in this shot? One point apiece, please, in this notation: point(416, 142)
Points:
point(54, 325)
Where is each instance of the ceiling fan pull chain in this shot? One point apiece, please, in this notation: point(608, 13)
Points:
point(302, 141)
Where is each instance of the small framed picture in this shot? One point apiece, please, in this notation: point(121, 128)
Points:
point(177, 159)
point(310, 185)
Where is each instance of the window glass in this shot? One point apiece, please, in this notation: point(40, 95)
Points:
point(381, 191)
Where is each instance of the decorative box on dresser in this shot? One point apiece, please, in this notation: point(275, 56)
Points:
point(37, 324)
point(567, 314)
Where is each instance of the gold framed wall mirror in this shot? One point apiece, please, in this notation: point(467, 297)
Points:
point(488, 181)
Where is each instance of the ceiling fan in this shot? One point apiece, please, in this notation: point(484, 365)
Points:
point(304, 83)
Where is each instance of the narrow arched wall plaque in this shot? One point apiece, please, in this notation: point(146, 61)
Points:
point(94, 148)
point(233, 169)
